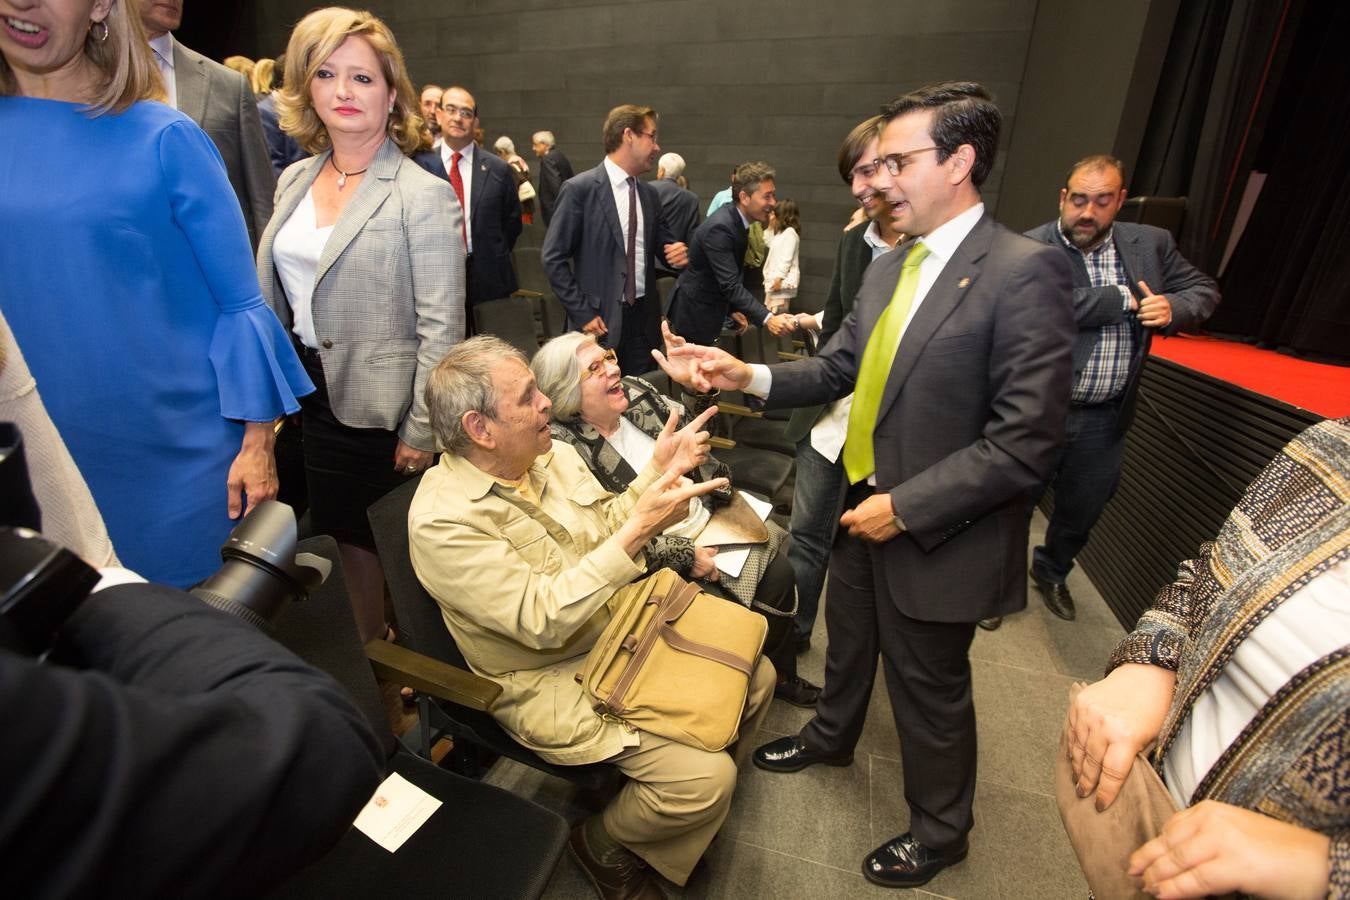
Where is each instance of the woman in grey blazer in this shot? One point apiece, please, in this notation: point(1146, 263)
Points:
point(363, 261)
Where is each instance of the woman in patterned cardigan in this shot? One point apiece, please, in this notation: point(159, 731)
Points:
point(1241, 674)
point(613, 422)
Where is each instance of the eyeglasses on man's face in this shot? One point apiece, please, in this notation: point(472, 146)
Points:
point(598, 367)
point(461, 112)
point(896, 162)
point(865, 170)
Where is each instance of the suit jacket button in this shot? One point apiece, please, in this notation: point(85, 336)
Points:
point(328, 345)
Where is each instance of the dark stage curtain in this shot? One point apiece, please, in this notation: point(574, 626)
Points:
point(1214, 100)
point(1287, 285)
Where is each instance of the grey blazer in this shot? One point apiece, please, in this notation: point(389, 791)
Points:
point(388, 294)
point(221, 102)
point(970, 418)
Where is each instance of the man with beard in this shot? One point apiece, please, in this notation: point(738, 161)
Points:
point(1129, 282)
point(430, 101)
point(603, 239)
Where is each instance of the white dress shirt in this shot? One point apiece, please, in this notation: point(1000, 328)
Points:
point(827, 436)
point(163, 47)
point(465, 173)
point(618, 182)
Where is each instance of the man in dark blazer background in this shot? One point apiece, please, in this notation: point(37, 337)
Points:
point(221, 102)
point(487, 193)
point(1117, 267)
point(586, 248)
point(967, 415)
point(679, 205)
point(554, 169)
point(712, 285)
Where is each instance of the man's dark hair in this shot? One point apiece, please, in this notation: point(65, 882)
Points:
point(1096, 161)
point(963, 113)
point(747, 177)
point(850, 153)
point(626, 116)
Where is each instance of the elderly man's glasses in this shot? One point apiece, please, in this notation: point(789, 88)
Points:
point(598, 367)
point(895, 162)
point(462, 112)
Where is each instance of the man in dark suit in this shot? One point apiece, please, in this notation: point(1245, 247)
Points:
point(679, 205)
point(599, 253)
point(818, 431)
point(1117, 266)
point(221, 102)
point(958, 355)
point(713, 283)
point(554, 169)
point(486, 188)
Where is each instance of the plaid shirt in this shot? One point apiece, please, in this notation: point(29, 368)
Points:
point(1107, 371)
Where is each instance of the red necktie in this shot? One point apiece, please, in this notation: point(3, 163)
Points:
point(630, 286)
point(457, 182)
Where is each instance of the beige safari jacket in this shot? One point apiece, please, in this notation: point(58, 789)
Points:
point(523, 589)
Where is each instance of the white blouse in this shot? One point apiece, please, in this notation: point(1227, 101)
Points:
point(1313, 622)
point(295, 253)
point(781, 262)
point(636, 448)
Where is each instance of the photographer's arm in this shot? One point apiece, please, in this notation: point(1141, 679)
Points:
point(188, 754)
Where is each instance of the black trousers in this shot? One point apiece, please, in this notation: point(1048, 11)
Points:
point(927, 670)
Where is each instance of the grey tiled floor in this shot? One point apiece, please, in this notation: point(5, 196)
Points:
point(805, 835)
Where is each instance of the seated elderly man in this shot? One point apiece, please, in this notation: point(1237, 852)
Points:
point(522, 548)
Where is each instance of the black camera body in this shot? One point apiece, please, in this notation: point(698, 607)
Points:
point(42, 583)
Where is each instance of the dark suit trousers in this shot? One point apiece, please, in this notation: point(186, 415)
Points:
point(851, 644)
point(927, 668)
point(636, 345)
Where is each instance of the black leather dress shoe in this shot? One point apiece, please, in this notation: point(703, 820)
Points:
point(789, 754)
point(1056, 596)
point(990, 624)
point(904, 862)
point(798, 692)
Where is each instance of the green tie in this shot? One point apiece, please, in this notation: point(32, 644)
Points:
point(875, 368)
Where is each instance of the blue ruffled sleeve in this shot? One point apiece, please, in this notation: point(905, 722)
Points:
point(257, 371)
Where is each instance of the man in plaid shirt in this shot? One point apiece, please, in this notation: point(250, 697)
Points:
point(1129, 282)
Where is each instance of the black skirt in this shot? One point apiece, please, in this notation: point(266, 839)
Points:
point(346, 469)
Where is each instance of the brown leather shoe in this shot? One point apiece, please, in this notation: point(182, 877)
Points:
point(617, 874)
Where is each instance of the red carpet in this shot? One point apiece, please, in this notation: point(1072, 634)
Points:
point(1316, 387)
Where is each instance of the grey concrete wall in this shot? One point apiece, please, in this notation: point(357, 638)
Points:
point(782, 81)
point(1092, 71)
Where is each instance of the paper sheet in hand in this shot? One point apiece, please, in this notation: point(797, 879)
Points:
point(395, 812)
point(731, 562)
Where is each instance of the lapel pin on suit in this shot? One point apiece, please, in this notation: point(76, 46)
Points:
point(964, 282)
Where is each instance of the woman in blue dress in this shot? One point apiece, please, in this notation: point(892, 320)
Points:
point(127, 278)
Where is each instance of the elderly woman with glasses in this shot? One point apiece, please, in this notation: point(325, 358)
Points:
point(363, 262)
point(613, 421)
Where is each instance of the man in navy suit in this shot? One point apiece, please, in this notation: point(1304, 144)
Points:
point(486, 188)
point(962, 373)
point(1117, 268)
point(600, 250)
point(713, 285)
point(554, 169)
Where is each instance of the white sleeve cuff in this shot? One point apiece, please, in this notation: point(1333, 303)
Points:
point(761, 380)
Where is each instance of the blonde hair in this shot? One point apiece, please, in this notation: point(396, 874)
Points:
point(123, 58)
point(314, 39)
point(263, 73)
point(241, 64)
